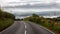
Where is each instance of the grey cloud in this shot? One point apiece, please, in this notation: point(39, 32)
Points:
point(48, 13)
point(36, 6)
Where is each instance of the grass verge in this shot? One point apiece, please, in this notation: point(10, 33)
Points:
point(5, 23)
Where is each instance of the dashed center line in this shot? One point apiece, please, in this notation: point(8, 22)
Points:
point(25, 31)
point(25, 28)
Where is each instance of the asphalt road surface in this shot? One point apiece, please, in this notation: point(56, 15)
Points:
point(21, 27)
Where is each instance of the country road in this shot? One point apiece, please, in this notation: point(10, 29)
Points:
point(21, 27)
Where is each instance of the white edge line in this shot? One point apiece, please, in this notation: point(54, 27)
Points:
point(47, 29)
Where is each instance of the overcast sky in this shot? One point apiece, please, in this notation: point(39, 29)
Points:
point(16, 2)
point(6, 2)
point(31, 2)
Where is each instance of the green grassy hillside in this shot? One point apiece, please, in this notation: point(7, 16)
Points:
point(50, 23)
point(6, 19)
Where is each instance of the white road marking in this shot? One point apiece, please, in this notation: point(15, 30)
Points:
point(25, 31)
point(47, 29)
point(25, 28)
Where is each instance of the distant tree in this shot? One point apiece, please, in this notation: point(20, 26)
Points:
point(35, 15)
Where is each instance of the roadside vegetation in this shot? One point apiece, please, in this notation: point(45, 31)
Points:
point(6, 19)
point(50, 23)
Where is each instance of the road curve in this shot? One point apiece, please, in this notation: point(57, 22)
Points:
point(21, 27)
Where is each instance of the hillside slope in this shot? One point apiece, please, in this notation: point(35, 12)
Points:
point(6, 19)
